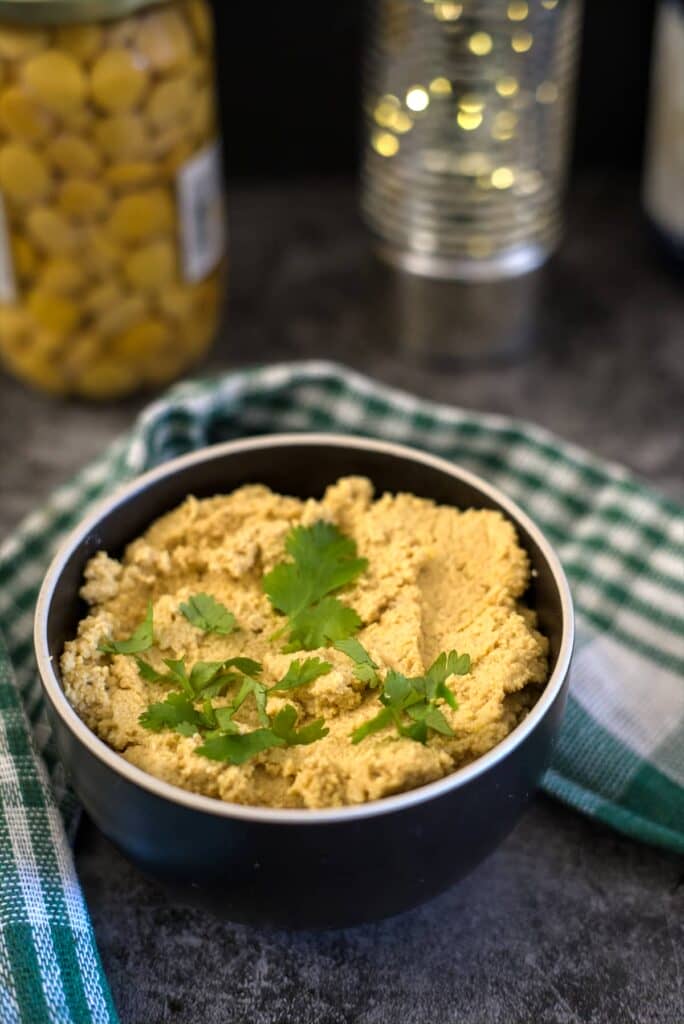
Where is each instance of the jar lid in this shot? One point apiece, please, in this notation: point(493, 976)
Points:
point(57, 12)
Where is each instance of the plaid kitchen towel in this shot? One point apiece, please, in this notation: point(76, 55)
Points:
point(50, 970)
point(620, 757)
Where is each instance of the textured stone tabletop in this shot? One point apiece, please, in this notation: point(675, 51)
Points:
point(566, 922)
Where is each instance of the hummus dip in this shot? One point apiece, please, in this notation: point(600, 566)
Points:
point(437, 579)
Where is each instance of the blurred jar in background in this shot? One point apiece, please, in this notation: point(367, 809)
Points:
point(111, 206)
point(664, 167)
point(468, 116)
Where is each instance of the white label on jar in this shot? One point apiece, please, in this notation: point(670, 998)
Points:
point(200, 201)
point(8, 291)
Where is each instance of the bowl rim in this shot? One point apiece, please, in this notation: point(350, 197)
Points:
point(295, 816)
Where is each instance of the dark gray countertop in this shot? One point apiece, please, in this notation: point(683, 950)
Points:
point(566, 922)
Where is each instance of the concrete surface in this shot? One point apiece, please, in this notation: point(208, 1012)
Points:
point(566, 922)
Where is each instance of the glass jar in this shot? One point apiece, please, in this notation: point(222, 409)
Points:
point(111, 205)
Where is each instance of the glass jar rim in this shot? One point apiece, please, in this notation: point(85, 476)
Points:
point(59, 12)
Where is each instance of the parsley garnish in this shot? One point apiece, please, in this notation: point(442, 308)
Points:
point(283, 726)
point(236, 748)
point(150, 673)
point(176, 712)
point(412, 703)
point(247, 666)
point(365, 668)
point(206, 679)
point(208, 614)
point(252, 686)
point(322, 623)
point(323, 560)
point(300, 673)
point(222, 739)
point(140, 640)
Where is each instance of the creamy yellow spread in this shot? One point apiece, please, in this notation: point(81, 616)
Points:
point(438, 579)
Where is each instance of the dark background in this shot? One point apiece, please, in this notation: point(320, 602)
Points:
point(290, 85)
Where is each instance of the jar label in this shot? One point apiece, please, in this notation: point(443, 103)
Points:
point(200, 202)
point(8, 291)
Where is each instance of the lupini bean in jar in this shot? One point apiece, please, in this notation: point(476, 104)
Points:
point(111, 205)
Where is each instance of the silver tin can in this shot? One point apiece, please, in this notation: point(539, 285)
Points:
point(468, 109)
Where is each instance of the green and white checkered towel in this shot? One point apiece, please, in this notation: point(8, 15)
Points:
point(620, 757)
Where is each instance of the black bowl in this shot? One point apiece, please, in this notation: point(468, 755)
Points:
point(302, 868)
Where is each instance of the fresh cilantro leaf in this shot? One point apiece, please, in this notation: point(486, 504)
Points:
point(260, 701)
point(140, 640)
point(150, 673)
point(310, 733)
point(447, 696)
point(300, 673)
point(176, 712)
point(206, 678)
point(186, 729)
point(434, 719)
point(209, 719)
point(238, 748)
point(223, 679)
point(326, 556)
point(354, 650)
point(399, 692)
point(365, 668)
point(287, 588)
point(283, 725)
point(224, 720)
point(415, 698)
point(208, 614)
point(220, 684)
point(244, 665)
point(461, 665)
point(418, 711)
point(323, 560)
point(242, 694)
point(320, 624)
point(416, 731)
point(249, 686)
point(382, 719)
point(176, 667)
point(451, 664)
point(203, 673)
point(178, 675)
point(284, 722)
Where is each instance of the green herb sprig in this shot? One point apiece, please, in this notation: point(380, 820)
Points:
point(140, 640)
point(208, 614)
point(238, 748)
point(365, 668)
point(209, 679)
point(412, 703)
point(323, 561)
point(222, 739)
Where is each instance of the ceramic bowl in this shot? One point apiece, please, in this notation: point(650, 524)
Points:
point(302, 868)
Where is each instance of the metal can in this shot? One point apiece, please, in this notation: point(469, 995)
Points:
point(111, 200)
point(663, 188)
point(468, 115)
